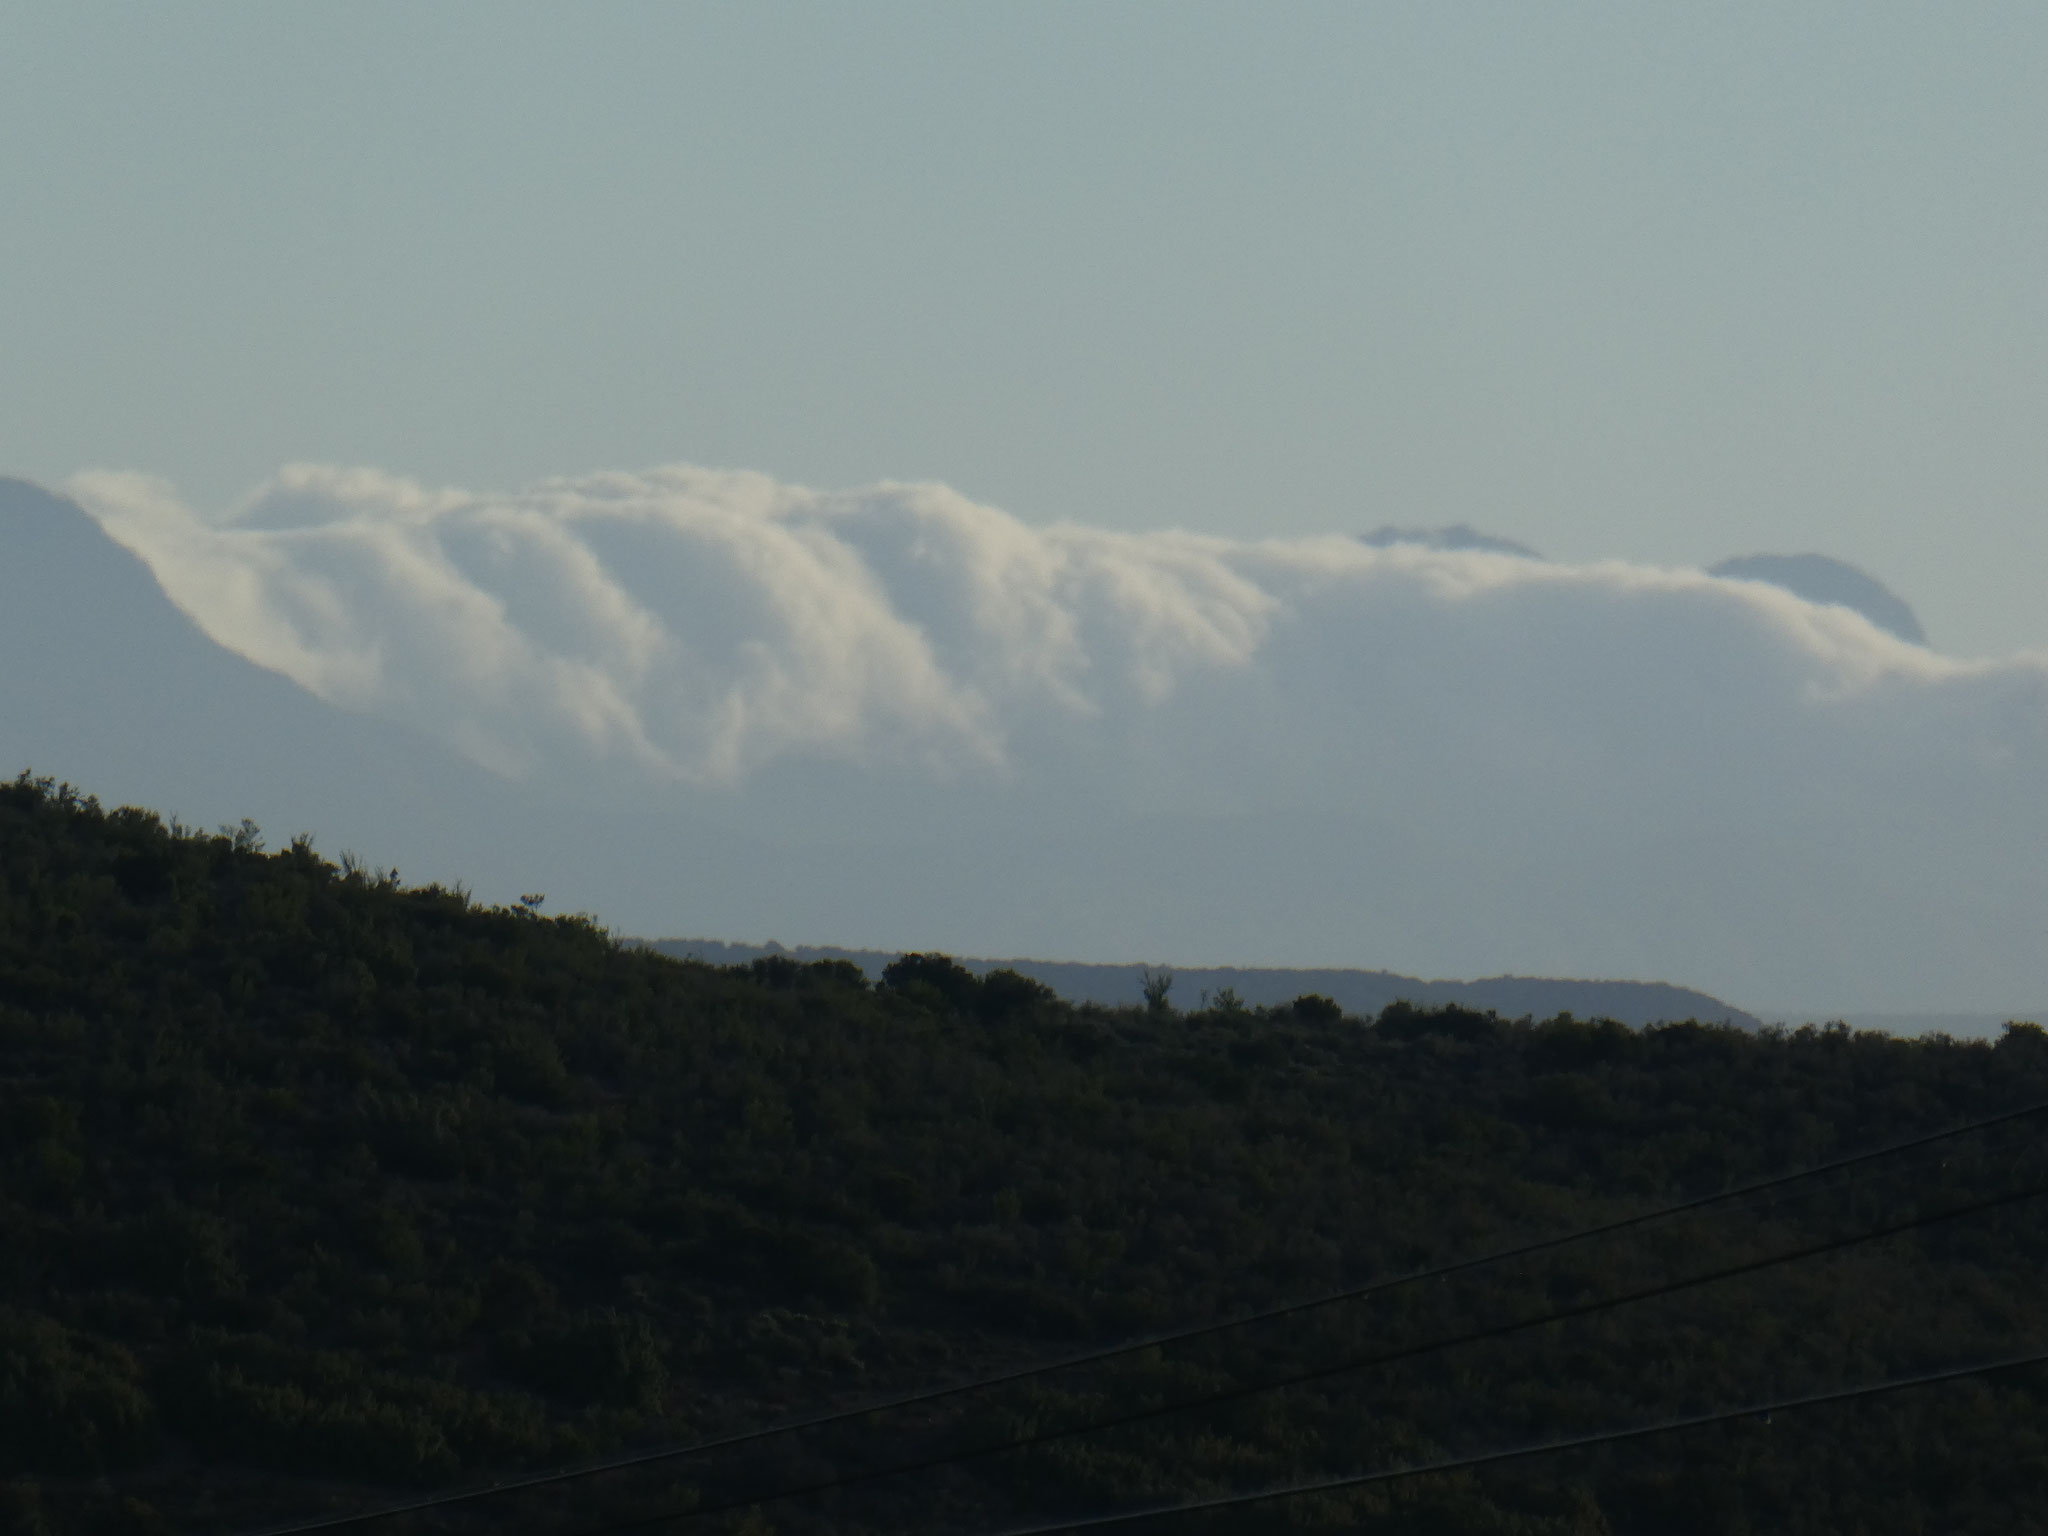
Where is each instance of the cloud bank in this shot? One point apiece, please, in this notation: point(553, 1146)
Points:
point(1238, 750)
point(695, 624)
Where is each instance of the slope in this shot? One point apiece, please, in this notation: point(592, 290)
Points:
point(315, 1186)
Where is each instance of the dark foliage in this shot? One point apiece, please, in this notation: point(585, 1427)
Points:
point(315, 1187)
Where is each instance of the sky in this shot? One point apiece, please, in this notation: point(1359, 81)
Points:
point(1658, 284)
point(862, 447)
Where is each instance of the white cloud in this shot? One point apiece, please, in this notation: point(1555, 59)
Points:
point(1476, 760)
point(700, 623)
point(692, 624)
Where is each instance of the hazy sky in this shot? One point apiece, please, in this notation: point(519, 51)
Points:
point(1665, 283)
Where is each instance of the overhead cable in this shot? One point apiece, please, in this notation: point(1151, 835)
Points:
point(930, 1395)
point(1308, 1377)
point(1521, 1452)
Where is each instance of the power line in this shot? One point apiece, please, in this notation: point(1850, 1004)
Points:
point(1308, 1377)
point(1544, 1448)
point(1120, 1351)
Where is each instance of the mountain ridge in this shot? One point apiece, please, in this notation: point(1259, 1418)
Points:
point(1824, 579)
point(1356, 991)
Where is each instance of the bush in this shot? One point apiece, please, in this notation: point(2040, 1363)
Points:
point(602, 1357)
point(68, 1405)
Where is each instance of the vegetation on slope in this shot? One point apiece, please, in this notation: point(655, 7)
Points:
point(315, 1188)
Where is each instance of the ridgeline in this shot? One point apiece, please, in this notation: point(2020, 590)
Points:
point(1357, 992)
point(318, 1190)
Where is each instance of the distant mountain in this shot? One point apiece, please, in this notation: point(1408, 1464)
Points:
point(1363, 993)
point(1823, 579)
point(1454, 536)
point(109, 686)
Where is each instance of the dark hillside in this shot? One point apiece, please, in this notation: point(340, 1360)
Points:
point(316, 1188)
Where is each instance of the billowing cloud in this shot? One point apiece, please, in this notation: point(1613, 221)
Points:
point(697, 623)
point(1474, 759)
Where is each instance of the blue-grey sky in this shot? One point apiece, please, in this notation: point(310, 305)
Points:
point(1667, 283)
